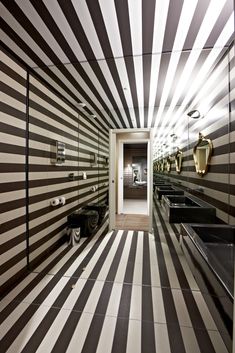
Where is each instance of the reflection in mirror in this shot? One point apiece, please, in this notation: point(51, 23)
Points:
point(162, 165)
point(155, 167)
point(168, 164)
point(178, 160)
point(202, 154)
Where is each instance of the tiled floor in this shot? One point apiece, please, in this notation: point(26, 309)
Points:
point(135, 206)
point(126, 291)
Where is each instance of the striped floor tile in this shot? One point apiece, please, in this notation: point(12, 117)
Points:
point(123, 291)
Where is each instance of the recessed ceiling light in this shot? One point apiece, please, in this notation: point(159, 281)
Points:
point(195, 114)
point(81, 104)
point(125, 88)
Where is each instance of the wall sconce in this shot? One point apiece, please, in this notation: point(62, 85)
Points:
point(194, 114)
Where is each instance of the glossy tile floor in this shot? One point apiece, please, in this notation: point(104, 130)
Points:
point(125, 291)
point(135, 206)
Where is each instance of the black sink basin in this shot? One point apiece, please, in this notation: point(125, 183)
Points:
point(188, 209)
point(167, 190)
point(181, 201)
point(155, 185)
point(209, 249)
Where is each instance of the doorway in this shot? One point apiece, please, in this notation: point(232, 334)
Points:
point(131, 179)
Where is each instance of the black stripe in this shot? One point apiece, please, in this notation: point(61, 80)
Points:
point(120, 336)
point(12, 111)
point(34, 89)
point(125, 33)
point(13, 74)
point(10, 91)
point(148, 12)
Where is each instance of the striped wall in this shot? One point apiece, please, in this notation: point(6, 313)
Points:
point(31, 123)
point(215, 100)
point(12, 171)
point(50, 120)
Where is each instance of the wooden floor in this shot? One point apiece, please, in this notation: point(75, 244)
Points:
point(132, 221)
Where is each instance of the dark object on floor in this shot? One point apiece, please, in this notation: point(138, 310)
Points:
point(87, 220)
point(101, 208)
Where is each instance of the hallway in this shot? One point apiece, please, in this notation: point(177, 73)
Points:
point(126, 291)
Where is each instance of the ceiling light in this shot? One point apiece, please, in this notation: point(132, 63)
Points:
point(93, 115)
point(82, 105)
point(195, 114)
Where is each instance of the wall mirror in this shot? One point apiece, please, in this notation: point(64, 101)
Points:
point(155, 167)
point(168, 164)
point(162, 168)
point(178, 160)
point(202, 154)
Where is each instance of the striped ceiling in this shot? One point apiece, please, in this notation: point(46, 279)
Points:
point(134, 63)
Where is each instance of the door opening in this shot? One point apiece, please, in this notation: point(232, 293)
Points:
point(131, 179)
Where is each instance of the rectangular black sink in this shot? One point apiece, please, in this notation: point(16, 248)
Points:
point(167, 190)
point(209, 249)
point(155, 185)
point(188, 209)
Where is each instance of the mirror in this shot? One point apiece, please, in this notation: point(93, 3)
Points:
point(162, 165)
point(202, 154)
point(168, 164)
point(155, 167)
point(178, 160)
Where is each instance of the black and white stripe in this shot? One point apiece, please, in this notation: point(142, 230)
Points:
point(125, 291)
point(127, 60)
point(216, 99)
point(29, 176)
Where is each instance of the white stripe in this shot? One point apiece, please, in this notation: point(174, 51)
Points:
point(107, 335)
point(155, 276)
point(124, 258)
point(114, 300)
point(136, 303)
point(138, 267)
point(159, 315)
point(80, 333)
point(54, 331)
point(134, 337)
point(217, 341)
point(189, 339)
point(162, 339)
point(109, 259)
point(28, 329)
point(181, 308)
